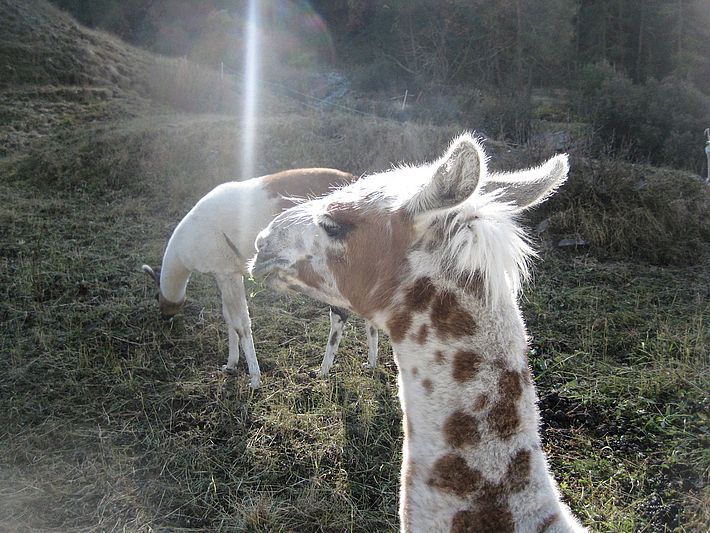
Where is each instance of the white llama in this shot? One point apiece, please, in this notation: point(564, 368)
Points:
point(217, 237)
point(433, 256)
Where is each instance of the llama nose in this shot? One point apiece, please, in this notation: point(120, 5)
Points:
point(259, 242)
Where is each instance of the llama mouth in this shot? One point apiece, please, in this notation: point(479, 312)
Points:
point(269, 266)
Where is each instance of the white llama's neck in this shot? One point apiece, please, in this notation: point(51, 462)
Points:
point(173, 277)
point(472, 458)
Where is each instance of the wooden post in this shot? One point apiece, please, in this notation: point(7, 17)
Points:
point(404, 102)
point(707, 152)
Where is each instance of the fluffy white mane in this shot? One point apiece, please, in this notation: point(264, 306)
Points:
point(483, 239)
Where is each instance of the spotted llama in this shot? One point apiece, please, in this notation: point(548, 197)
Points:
point(433, 256)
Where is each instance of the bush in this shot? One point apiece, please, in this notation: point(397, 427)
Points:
point(633, 212)
point(660, 122)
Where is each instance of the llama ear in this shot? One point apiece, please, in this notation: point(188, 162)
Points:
point(456, 177)
point(530, 187)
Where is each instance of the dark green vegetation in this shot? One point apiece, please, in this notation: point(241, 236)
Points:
point(112, 418)
point(637, 73)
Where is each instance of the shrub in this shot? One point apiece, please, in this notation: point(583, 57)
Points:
point(633, 212)
point(660, 122)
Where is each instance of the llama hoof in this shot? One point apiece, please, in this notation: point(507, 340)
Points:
point(255, 383)
point(229, 371)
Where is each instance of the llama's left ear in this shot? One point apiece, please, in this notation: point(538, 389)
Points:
point(530, 187)
point(456, 177)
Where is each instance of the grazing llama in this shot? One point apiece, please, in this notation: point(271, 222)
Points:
point(217, 236)
point(433, 256)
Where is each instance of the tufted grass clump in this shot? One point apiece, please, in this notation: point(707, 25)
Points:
point(633, 212)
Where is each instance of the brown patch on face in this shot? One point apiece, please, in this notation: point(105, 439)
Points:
point(449, 318)
point(422, 334)
point(439, 357)
point(304, 183)
point(545, 525)
point(305, 273)
point(428, 385)
point(370, 270)
point(466, 365)
point(503, 416)
point(460, 429)
point(451, 473)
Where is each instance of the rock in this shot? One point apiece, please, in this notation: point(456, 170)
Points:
point(572, 243)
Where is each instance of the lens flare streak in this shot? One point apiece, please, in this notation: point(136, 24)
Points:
point(251, 78)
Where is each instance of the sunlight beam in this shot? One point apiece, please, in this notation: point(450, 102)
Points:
point(251, 75)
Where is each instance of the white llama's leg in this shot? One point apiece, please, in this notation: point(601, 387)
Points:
point(372, 338)
point(236, 314)
point(338, 317)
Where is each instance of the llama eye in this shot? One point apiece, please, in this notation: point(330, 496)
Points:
point(332, 228)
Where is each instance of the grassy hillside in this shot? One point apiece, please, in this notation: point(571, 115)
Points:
point(112, 418)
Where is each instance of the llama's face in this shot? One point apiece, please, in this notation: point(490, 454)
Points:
point(356, 247)
point(338, 251)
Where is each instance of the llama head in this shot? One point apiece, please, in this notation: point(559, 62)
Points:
point(447, 220)
point(167, 308)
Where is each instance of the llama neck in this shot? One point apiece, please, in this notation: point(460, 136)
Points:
point(472, 458)
point(173, 278)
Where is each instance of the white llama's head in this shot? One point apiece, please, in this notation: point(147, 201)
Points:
point(449, 220)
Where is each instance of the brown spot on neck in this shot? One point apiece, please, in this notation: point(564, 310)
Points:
point(503, 417)
point(480, 402)
point(420, 294)
point(466, 365)
point(451, 473)
point(449, 318)
point(428, 386)
point(490, 510)
point(422, 334)
point(398, 325)
point(304, 183)
point(491, 517)
point(518, 475)
point(545, 525)
point(461, 429)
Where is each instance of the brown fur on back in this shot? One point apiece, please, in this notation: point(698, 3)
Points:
point(287, 184)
